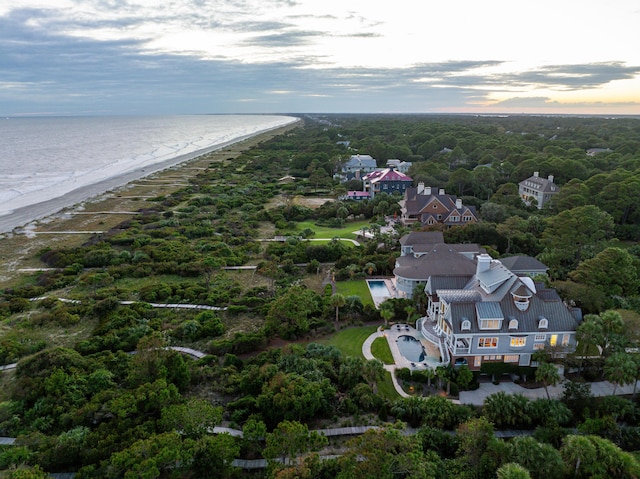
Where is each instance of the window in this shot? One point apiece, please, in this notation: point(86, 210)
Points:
point(513, 324)
point(543, 323)
point(466, 325)
point(541, 337)
point(487, 342)
point(565, 339)
point(490, 323)
point(538, 346)
point(477, 361)
point(519, 342)
point(511, 358)
point(455, 218)
point(554, 340)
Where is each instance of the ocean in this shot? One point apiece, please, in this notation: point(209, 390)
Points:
point(44, 160)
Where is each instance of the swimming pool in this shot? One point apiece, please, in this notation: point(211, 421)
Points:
point(411, 348)
point(378, 288)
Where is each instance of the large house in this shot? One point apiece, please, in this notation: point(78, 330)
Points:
point(356, 167)
point(425, 259)
point(387, 180)
point(539, 189)
point(430, 206)
point(496, 316)
point(401, 166)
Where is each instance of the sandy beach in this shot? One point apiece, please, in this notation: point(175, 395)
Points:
point(95, 208)
point(21, 217)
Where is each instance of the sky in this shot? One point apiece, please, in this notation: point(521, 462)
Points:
point(102, 57)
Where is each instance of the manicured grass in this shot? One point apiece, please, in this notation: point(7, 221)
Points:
point(355, 288)
point(325, 232)
point(380, 349)
point(349, 341)
point(386, 389)
point(327, 241)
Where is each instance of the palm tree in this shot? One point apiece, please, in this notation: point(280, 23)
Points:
point(387, 312)
point(373, 371)
point(337, 301)
point(370, 268)
point(548, 375)
point(619, 368)
point(589, 332)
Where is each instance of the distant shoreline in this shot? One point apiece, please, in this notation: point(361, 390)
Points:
point(22, 217)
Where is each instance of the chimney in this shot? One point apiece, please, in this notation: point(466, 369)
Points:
point(441, 191)
point(458, 203)
point(536, 174)
point(420, 187)
point(550, 178)
point(484, 263)
point(427, 190)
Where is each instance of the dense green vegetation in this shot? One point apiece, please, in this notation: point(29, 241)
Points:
point(79, 402)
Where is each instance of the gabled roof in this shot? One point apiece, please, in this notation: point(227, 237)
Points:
point(543, 185)
point(387, 174)
point(523, 264)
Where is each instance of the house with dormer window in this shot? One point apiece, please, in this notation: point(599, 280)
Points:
point(498, 316)
point(429, 206)
point(537, 190)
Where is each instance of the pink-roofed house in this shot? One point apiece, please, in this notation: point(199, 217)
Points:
point(387, 180)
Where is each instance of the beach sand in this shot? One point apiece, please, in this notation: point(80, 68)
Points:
point(95, 207)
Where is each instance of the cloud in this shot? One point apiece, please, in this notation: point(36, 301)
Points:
point(575, 77)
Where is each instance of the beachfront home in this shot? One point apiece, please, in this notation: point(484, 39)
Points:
point(430, 206)
point(538, 190)
point(498, 316)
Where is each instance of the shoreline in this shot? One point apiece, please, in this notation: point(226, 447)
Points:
point(23, 217)
point(63, 228)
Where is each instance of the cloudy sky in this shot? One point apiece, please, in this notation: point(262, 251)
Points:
point(286, 56)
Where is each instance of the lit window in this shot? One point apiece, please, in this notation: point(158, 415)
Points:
point(490, 323)
point(565, 339)
point(554, 340)
point(487, 342)
point(519, 342)
point(511, 358)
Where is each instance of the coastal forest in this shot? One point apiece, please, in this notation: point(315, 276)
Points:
point(217, 333)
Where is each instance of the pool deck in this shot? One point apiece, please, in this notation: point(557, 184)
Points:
point(379, 299)
point(432, 353)
point(392, 334)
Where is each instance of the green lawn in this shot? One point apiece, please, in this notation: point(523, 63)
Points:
point(386, 389)
point(325, 232)
point(380, 349)
point(327, 241)
point(355, 288)
point(349, 341)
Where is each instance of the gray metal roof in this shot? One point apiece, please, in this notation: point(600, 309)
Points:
point(489, 310)
point(523, 264)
